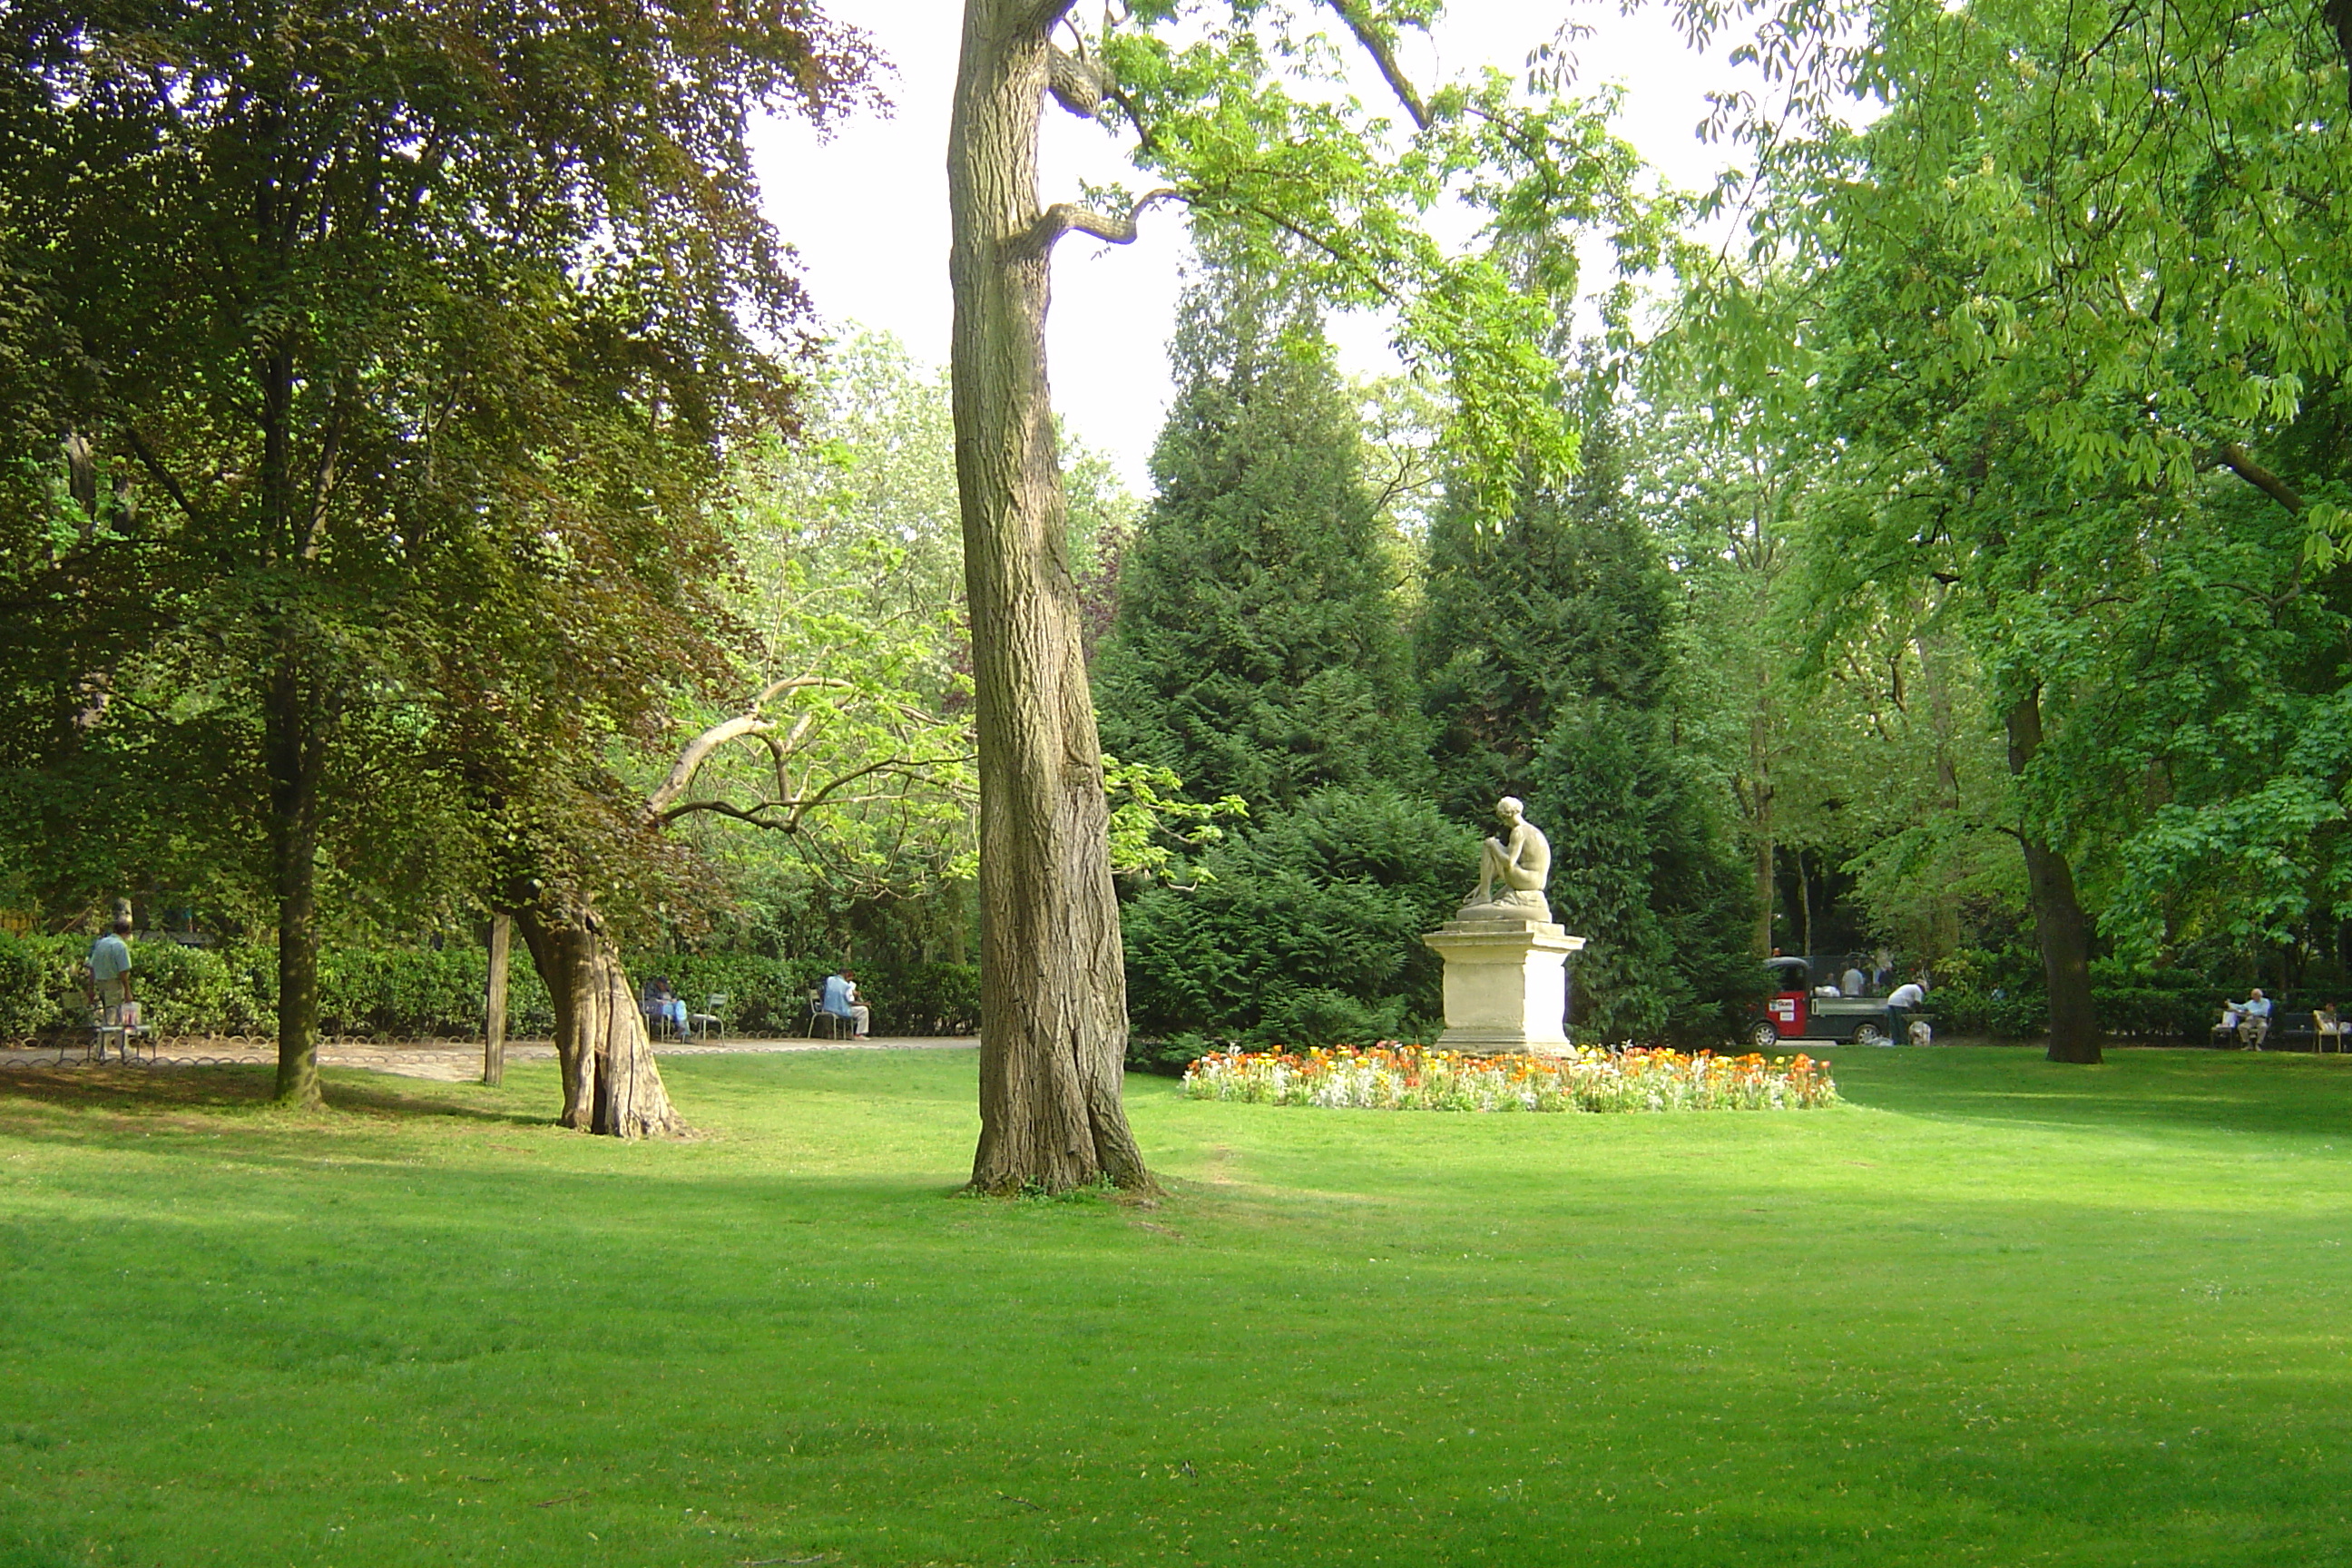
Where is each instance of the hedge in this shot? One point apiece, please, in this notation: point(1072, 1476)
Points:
point(415, 993)
point(2134, 1004)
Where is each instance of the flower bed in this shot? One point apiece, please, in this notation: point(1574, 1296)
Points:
point(1414, 1078)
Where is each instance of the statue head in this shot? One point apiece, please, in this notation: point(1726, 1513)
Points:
point(1510, 808)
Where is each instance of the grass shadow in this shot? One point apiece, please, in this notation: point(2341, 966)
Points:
point(133, 1091)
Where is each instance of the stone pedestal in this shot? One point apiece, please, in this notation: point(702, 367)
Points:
point(1506, 983)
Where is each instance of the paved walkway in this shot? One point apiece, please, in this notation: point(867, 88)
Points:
point(450, 1061)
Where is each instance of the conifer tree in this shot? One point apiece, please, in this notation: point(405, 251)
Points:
point(1545, 645)
point(1256, 650)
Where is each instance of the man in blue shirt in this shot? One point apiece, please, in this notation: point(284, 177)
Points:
point(840, 999)
point(109, 990)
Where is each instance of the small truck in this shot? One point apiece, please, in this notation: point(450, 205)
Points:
point(1795, 1013)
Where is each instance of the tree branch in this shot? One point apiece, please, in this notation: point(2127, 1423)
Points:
point(751, 722)
point(2234, 458)
point(1074, 81)
point(154, 465)
point(757, 813)
point(1376, 45)
point(801, 808)
point(1068, 217)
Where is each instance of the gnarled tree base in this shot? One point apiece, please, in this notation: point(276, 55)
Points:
point(610, 1083)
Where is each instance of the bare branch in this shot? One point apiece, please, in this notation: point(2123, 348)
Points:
point(1376, 43)
point(801, 808)
point(749, 722)
point(697, 752)
point(796, 809)
point(721, 808)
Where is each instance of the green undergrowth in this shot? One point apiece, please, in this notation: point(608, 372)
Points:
point(1992, 1312)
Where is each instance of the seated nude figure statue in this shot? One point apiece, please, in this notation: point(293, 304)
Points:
point(1522, 863)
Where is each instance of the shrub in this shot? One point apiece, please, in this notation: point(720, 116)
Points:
point(764, 996)
point(923, 998)
point(1306, 930)
point(402, 993)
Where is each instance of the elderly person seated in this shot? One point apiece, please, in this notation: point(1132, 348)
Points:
point(663, 1006)
point(2250, 1020)
point(839, 999)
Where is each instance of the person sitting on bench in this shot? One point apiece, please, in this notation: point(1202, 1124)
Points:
point(662, 1003)
point(840, 1000)
point(2254, 1019)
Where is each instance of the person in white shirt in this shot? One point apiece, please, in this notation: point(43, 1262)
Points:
point(2253, 1018)
point(1901, 1024)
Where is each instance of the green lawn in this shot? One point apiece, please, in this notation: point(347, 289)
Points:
point(1997, 1311)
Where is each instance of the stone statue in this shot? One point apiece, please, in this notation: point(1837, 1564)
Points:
point(1522, 863)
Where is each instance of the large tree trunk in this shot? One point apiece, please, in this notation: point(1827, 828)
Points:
point(295, 761)
point(611, 1082)
point(1053, 990)
point(2059, 923)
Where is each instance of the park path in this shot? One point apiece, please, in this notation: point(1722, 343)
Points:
point(448, 1061)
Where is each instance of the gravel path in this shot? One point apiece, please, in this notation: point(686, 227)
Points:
point(449, 1061)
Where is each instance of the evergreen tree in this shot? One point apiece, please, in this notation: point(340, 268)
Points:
point(1256, 650)
point(1304, 931)
point(1567, 598)
point(1545, 645)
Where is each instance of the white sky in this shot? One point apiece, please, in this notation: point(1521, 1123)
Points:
point(867, 210)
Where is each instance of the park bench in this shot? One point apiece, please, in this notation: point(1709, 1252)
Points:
point(712, 1017)
point(2291, 1028)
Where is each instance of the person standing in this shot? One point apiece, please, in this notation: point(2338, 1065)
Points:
point(841, 1000)
point(109, 988)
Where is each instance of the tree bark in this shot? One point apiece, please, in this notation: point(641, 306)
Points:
point(494, 1002)
point(2059, 923)
point(1759, 793)
point(1052, 986)
point(295, 761)
point(611, 1082)
point(1935, 658)
point(1805, 898)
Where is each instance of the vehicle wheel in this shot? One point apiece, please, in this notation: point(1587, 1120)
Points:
point(1764, 1036)
point(1870, 1034)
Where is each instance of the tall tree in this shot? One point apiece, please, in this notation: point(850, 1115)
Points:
point(418, 332)
point(1216, 120)
point(2089, 256)
point(1548, 650)
point(1257, 650)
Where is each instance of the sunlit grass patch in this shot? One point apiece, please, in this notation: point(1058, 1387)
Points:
point(1994, 1311)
